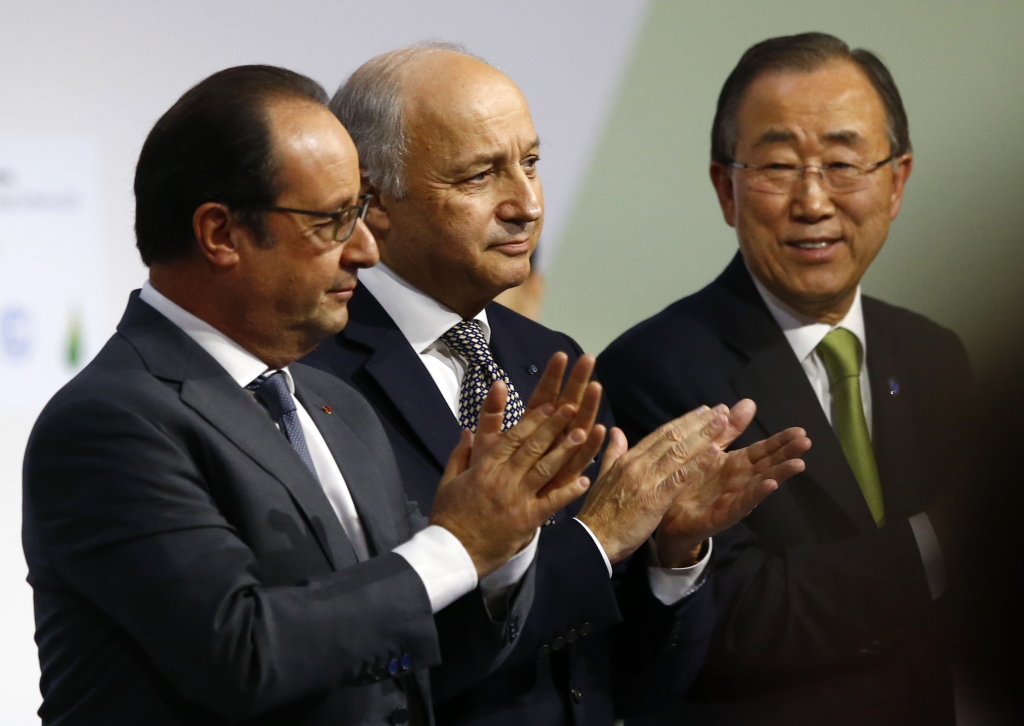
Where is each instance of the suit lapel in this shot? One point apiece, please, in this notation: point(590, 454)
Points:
point(776, 382)
point(208, 389)
point(513, 355)
point(361, 474)
point(892, 418)
point(401, 375)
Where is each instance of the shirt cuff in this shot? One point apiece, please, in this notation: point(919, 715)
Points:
point(604, 555)
point(931, 553)
point(672, 584)
point(442, 563)
point(495, 586)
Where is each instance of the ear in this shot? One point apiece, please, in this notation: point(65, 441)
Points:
point(721, 179)
point(218, 234)
point(377, 217)
point(904, 164)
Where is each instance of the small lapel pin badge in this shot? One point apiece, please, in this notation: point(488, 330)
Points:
point(894, 387)
point(327, 410)
point(531, 368)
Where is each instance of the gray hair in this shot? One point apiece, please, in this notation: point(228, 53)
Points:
point(369, 105)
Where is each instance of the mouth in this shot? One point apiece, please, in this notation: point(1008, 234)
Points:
point(514, 246)
point(815, 249)
point(343, 292)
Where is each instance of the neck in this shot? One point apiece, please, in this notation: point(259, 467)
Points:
point(211, 301)
point(446, 290)
point(829, 311)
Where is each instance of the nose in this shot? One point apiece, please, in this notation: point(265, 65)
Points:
point(811, 203)
point(360, 250)
point(522, 204)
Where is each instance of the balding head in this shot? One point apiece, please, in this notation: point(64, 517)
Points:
point(450, 155)
point(371, 104)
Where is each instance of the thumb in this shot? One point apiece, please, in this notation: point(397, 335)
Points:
point(458, 461)
point(617, 446)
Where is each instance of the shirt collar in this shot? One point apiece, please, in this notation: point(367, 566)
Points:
point(421, 318)
point(803, 333)
point(240, 364)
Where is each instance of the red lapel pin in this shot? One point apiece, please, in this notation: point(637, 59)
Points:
point(327, 409)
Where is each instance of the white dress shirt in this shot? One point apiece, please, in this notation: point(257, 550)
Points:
point(804, 334)
point(423, 320)
point(434, 553)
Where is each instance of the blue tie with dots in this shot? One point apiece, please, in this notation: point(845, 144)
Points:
point(467, 339)
point(271, 389)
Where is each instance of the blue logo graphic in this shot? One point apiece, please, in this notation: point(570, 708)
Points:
point(15, 333)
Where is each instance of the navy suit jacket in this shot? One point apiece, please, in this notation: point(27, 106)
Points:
point(188, 569)
point(822, 617)
point(591, 646)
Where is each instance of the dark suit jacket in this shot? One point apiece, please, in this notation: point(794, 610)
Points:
point(188, 569)
point(562, 670)
point(822, 617)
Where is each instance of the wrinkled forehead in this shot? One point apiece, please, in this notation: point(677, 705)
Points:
point(834, 105)
point(455, 100)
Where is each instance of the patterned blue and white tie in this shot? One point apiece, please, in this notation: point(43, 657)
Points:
point(467, 339)
point(271, 389)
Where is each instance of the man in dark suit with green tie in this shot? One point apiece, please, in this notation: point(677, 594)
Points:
point(827, 594)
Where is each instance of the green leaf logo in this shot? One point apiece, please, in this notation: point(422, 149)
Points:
point(73, 346)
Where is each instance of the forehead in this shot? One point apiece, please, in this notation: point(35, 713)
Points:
point(832, 101)
point(314, 155)
point(455, 107)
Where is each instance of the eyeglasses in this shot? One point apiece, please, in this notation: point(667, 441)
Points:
point(838, 177)
point(344, 219)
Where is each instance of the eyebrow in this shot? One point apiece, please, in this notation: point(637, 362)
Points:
point(846, 137)
point(486, 158)
point(775, 136)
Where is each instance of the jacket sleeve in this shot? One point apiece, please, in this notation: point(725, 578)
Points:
point(117, 508)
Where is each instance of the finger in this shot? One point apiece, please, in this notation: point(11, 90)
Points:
point(589, 404)
point(579, 462)
point(793, 450)
point(773, 444)
point(492, 413)
point(488, 426)
point(787, 469)
point(545, 470)
point(542, 441)
point(550, 382)
point(578, 381)
point(558, 498)
point(617, 446)
point(675, 453)
point(740, 417)
point(458, 460)
point(512, 440)
point(669, 433)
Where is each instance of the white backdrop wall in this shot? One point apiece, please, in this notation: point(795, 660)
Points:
point(81, 84)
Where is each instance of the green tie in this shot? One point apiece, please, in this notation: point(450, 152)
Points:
point(841, 353)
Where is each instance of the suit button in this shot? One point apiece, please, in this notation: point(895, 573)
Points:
point(558, 643)
point(406, 662)
point(585, 629)
point(393, 666)
point(544, 650)
point(571, 636)
point(576, 695)
point(399, 716)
